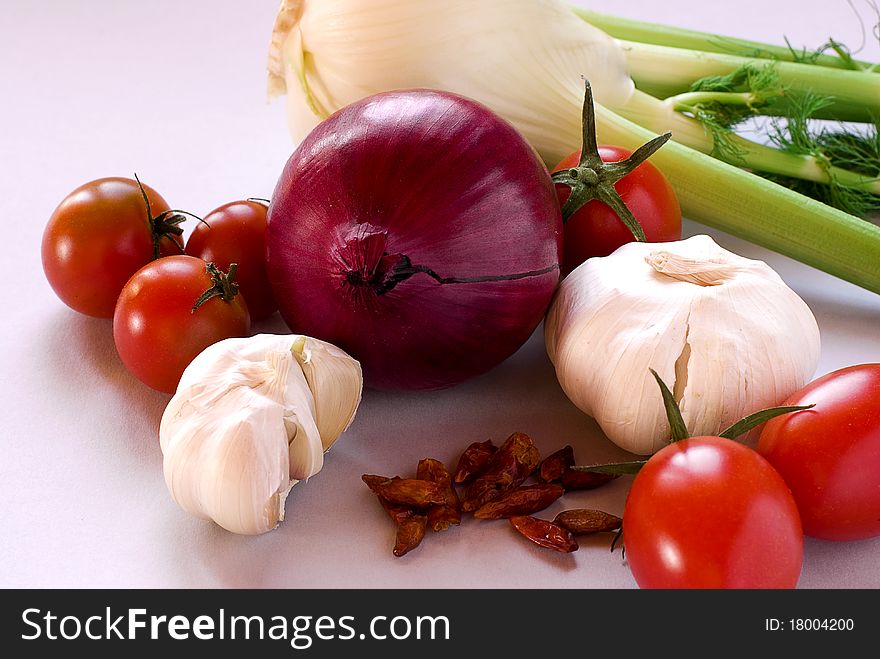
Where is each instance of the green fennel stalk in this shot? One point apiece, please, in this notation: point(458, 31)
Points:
point(658, 116)
point(662, 35)
point(663, 71)
point(734, 200)
point(703, 86)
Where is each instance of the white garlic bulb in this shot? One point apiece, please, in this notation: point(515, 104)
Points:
point(724, 332)
point(250, 418)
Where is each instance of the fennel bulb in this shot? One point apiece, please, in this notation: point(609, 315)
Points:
point(326, 54)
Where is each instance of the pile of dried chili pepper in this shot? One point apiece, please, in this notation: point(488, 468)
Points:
point(494, 481)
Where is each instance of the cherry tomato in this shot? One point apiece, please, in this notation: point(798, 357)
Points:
point(830, 455)
point(97, 238)
point(595, 229)
point(708, 512)
point(156, 330)
point(236, 233)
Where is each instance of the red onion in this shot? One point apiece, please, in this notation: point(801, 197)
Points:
point(419, 232)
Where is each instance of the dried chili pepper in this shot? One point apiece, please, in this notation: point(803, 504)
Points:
point(554, 465)
point(508, 467)
point(411, 492)
point(442, 516)
point(523, 500)
point(544, 533)
point(474, 460)
point(481, 491)
point(524, 452)
point(409, 534)
point(582, 521)
point(372, 480)
point(399, 513)
point(409, 524)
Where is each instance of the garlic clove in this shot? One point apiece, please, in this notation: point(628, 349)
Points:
point(725, 332)
point(230, 469)
point(334, 380)
point(306, 451)
point(242, 427)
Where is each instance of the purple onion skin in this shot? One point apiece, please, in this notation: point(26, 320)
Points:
point(396, 185)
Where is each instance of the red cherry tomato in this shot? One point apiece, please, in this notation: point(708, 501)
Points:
point(156, 330)
point(97, 238)
point(830, 455)
point(595, 229)
point(708, 512)
point(236, 233)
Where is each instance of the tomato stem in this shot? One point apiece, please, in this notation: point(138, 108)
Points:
point(223, 285)
point(615, 468)
point(593, 178)
point(166, 224)
point(677, 427)
point(754, 420)
point(679, 430)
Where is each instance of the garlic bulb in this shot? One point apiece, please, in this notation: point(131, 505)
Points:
point(724, 332)
point(524, 59)
point(250, 418)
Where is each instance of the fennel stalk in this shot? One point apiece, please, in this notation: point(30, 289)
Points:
point(663, 35)
point(719, 82)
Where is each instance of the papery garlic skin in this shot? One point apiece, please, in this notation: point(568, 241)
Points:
point(524, 59)
point(724, 332)
point(250, 418)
